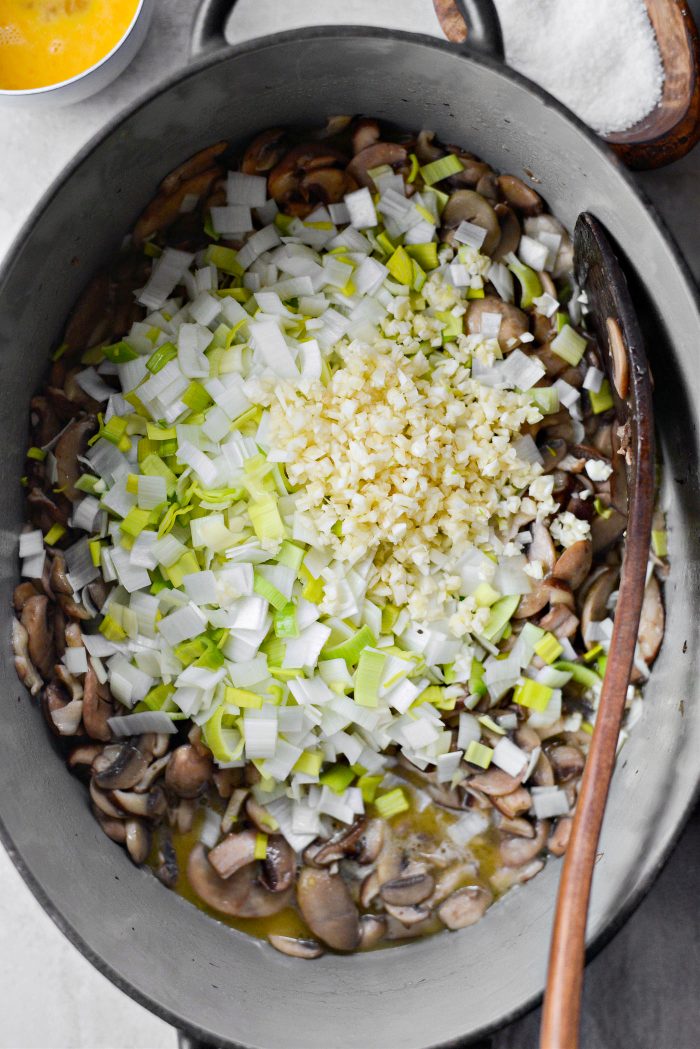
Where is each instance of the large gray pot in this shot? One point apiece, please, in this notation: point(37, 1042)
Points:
point(186, 967)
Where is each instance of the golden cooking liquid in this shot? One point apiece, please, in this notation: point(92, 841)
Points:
point(44, 42)
point(427, 827)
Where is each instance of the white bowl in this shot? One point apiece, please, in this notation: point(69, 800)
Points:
point(91, 80)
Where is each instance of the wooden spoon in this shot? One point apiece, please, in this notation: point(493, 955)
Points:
point(614, 322)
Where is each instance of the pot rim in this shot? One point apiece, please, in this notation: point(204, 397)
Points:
point(210, 59)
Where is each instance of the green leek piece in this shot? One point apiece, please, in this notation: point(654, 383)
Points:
point(392, 803)
point(55, 532)
point(592, 653)
point(476, 293)
point(390, 614)
point(119, 352)
point(243, 698)
point(441, 169)
point(424, 254)
point(159, 698)
point(111, 629)
point(309, 763)
point(368, 787)
point(485, 595)
point(491, 725)
point(186, 565)
point(570, 346)
point(561, 319)
point(659, 542)
point(419, 277)
point(90, 484)
point(478, 754)
point(196, 397)
point(160, 357)
point(96, 552)
point(601, 509)
point(500, 615)
point(290, 555)
point(385, 243)
point(548, 648)
point(153, 466)
point(368, 677)
point(530, 283)
point(452, 326)
point(476, 679)
point(265, 518)
point(533, 694)
point(37, 454)
point(135, 521)
point(260, 850)
point(603, 399)
point(400, 266)
point(264, 588)
point(225, 259)
point(338, 778)
point(114, 430)
point(546, 398)
point(351, 649)
point(223, 741)
point(582, 675)
point(285, 621)
point(415, 168)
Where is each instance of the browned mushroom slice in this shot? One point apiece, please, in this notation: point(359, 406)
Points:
point(70, 683)
point(408, 914)
point(487, 186)
point(124, 771)
point(407, 891)
point(241, 895)
point(567, 762)
point(651, 622)
point(164, 209)
point(426, 150)
point(295, 948)
point(381, 153)
point(21, 594)
point(138, 840)
point(513, 804)
point(302, 178)
point(104, 804)
point(560, 621)
point(595, 598)
point(542, 546)
point(151, 774)
point(516, 852)
point(150, 806)
point(495, 783)
point(168, 870)
point(37, 620)
point(510, 232)
point(514, 322)
point(87, 314)
point(372, 928)
point(328, 908)
point(362, 841)
point(473, 170)
point(365, 133)
point(559, 838)
point(464, 907)
point(98, 707)
point(188, 771)
point(448, 797)
point(264, 152)
point(26, 671)
point(466, 205)
point(521, 197)
point(507, 877)
point(532, 603)
point(45, 422)
point(278, 869)
point(574, 564)
point(194, 165)
point(71, 444)
point(113, 828)
point(63, 715)
point(451, 879)
point(234, 852)
point(262, 819)
point(607, 530)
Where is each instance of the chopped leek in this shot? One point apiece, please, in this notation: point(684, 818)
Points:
point(570, 346)
point(533, 694)
point(478, 754)
point(393, 803)
point(548, 648)
point(441, 169)
point(603, 399)
point(368, 677)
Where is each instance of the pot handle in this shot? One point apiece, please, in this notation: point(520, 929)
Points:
point(482, 35)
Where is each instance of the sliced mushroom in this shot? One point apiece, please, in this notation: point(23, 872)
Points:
point(595, 600)
point(21, 594)
point(362, 842)
point(37, 620)
point(408, 915)
point(473, 170)
point(138, 840)
point(365, 133)
point(26, 671)
point(651, 622)
point(124, 771)
point(309, 174)
point(262, 819)
point(514, 322)
point(70, 683)
point(495, 783)
point(87, 314)
point(466, 205)
point(448, 797)
point(518, 826)
point(560, 621)
point(542, 547)
point(464, 907)
point(83, 755)
point(234, 852)
point(278, 869)
point(188, 772)
point(426, 150)
point(532, 603)
point(194, 165)
point(113, 828)
point(574, 564)
point(381, 153)
point(567, 762)
point(165, 208)
point(510, 232)
point(506, 877)
point(407, 891)
point(167, 870)
point(241, 895)
point(328, 908)
point(543, 775)
point(451, 879)
point(64, 715)
point(513, 804)
point(181, 817)
point(295, 948)
point(71, 444)
point(516, 852)
point(151, 774)
point(605, 531)
point(559, 838)
point(372, 929)
point(264, 152)
point(150, 806)
point(521, 197)
point(98, 707)
point(104, 804)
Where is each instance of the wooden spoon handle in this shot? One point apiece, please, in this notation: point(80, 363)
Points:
point(612, 314)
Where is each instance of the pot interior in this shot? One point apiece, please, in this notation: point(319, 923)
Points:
point(181, 963)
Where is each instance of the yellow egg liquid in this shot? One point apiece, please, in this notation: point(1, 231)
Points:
point(44, 42)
